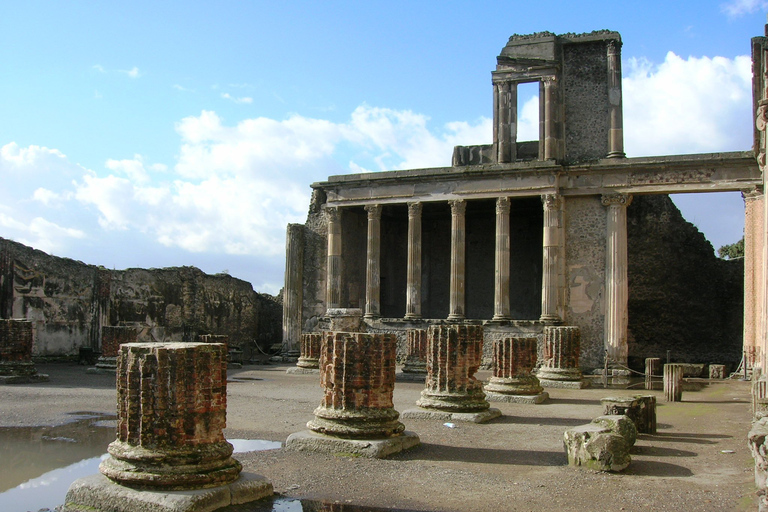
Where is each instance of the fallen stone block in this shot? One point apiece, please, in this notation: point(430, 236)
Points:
point(619, 424)
point(596, 447)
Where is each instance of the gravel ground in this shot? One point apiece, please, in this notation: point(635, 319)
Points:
point(516, 462)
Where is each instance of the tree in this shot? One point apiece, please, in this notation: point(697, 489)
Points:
point(732, 251)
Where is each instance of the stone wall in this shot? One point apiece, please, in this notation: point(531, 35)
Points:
point(682, 297)
point(69, 301)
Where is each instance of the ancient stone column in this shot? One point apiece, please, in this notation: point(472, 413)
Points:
point(505, 121)
point(373, 266)
point(16, 340)
point(550, 106)
point(652, 369)
point(172, 407)
point(413, 283)
point(753, 274)
point(616, 123)
point(551, 253)
point(333, 267)
point(501, 289)
point(293, 287)
point(458, 257)
point(111, 339)
point(310, 350)
point(616, 281)
point(673, 382)
point(416, 359)
point(560, 367)
point(357, 373)
point(513, 380)
point(454, 354)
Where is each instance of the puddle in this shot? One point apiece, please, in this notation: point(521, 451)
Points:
point(38, 464)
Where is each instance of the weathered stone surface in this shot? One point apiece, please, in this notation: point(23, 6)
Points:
point(373, 448)
point(416, 358)
point(111, 339)
point(717, 371)
point(97, 493)
point(454, 355)
point(357, 373)
point(513, 362)
point(596, 447)
point(69, 302)
point(16, 342)
point(435, 414)
point(756, 440)
point(172, 400)
point(641, 409)
point(562, 345)
point(652, 369)
point(673, 382)
point(345, 319)
point(619, 424)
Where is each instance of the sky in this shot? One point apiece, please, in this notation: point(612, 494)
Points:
point(162, 133)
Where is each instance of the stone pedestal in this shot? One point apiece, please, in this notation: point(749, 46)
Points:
point(561, 358)
point(172, 407)
point(452, 392)
point(111, 339)
point(357, 373)
point(652, 369)
point(416, 358)
point(512, 380)
point(16, 366)
point(345, 319)
point(717, 371)
point(673, 382)
point(309, 358)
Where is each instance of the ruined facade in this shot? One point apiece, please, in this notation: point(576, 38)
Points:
point(515, 235)
point(69, 302)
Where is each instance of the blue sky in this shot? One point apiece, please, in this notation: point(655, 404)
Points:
point(151, 134)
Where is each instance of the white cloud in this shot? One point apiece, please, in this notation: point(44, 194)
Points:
point(132, 73)
point(736, 8)
point(689, 105)
point(14, 157)
point(133, 169)
point(45, 196)
point(244, 99)
point(99, 68)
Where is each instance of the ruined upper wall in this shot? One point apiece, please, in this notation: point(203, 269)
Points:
point(69, 301)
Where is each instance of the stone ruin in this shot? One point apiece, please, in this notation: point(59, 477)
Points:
point(16, 341)
point(111, 339)
point(560, 367)
point(513, 380)
point(171, 405)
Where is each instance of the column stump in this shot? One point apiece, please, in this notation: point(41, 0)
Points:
point(111, 339)
point(561, 358)
point(513, 380)
point(717, 371)
point(452, 392)
point(16, 366)
point(170, 452)
point(652, 369)
point(673, 382)
point(356, 415)
point(415, 367)
point(641, 409)
point(309, 358)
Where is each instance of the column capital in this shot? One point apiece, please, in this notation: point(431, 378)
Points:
point(332, 213)
point(414, 208)
point(551, 201)
point(374, 211)
point(458, 206)
point(502, 205)
point(616, 199)
point(751, 194)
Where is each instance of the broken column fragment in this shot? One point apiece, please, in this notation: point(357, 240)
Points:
point(356, 415)
point(513, 380)
point(16, 340)
point(673, 382)
point(560, 368)
point(309, 358)
point(452, 392)
point(172, 406)
point(112, 337)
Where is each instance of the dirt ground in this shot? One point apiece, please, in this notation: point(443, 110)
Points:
point(699, 459)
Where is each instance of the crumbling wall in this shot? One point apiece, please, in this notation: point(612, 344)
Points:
point(682, 298)
point(69, 301)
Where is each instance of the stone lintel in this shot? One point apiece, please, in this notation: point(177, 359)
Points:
point(517, 399)
point(309, 441)
point(96, 493)
point(420, 413)
point(298, 370)
point(564, 384)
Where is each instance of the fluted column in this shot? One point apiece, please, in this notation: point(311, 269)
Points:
point(501, 288)
point(753, 272)
point(333, 267)
point(413, 285)
point(550, 130)
point(372, 269)
point(551, 250)
point(616, 130)
point(616, 281)
point(293, 290)
point(505, 121)
point(458, 259)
